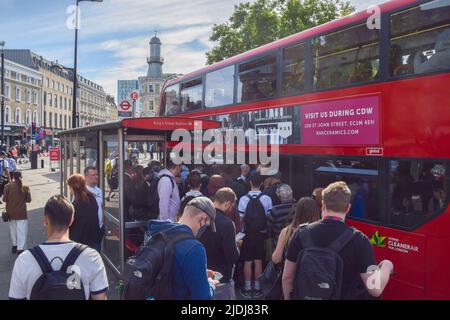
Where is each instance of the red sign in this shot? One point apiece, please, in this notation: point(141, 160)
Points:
point(125, 105)
point(374, 151)
point(54, 153)
point(134, 95)
point(170, 124)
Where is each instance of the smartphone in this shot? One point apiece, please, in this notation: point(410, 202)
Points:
point(240, 236)
point(218, 276)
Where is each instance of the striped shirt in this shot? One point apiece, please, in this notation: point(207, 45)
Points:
point(278, 218)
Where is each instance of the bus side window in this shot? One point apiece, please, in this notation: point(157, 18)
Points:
point(420, 39)
point(417, 191)
point(345, 57)
point(362, 178)
point(171, 98)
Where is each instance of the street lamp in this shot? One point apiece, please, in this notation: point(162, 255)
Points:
point(2, 44)
point(75, 80)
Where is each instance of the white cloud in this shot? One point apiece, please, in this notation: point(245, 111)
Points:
point(121, 29)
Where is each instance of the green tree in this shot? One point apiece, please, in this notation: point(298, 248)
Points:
point(263, 21)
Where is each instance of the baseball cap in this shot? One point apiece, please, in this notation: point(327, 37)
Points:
point(206, 205)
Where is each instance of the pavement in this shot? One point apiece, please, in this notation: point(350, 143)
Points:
point(43, 184)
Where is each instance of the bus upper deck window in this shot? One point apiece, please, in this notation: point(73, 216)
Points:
point(172, 98)
point(420, 39)
point(345, 57)
point(219, 87)
point(191, 95)
point(294, 69)
point(257, 79)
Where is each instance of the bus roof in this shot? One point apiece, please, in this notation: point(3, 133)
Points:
point(149, 123)
point(326, 27)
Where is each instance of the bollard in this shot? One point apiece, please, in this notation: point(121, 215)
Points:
point(34, 162)
point(42, 163)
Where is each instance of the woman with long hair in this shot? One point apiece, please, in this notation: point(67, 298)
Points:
point(16, 195)
point(85, 228)
point(306, 211)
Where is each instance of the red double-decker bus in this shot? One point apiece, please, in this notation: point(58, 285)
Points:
point(360, 102)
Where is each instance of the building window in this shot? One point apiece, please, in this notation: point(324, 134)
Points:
point(18, 116)
point(60, 121)
point(53, 84)
point(28, 96)
point(151, 105)
point(70, 122)
point(35, 117)
point(157, 88)
point(35, 98)
point(27, 117)
point(56, 120)
point(70, 104)
point(7, 114)
point(18, 98)
point(56, 101)
point(50, 99)
point(50, 120)
point(45, 119)
point(8, 92)
point(65, 122)
point(151, 88)
point(60, 102)
point(65, 103)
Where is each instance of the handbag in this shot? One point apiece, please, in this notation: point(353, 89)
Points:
point(5, 216)
point(270, 281)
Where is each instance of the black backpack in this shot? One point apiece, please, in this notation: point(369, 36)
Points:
point(58, 285)
point(184, 203)
point(147, 275)
point(255, 215)
point(154, 201)
point(319, 273)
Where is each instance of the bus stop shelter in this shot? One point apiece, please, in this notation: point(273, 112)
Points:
point(108, 147)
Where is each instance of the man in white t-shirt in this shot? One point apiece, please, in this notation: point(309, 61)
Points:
point(91, 177)
point(58, 216)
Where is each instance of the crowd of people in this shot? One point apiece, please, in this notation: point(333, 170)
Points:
point(213, 232)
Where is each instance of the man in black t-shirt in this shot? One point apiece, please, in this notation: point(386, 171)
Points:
point(358, 255)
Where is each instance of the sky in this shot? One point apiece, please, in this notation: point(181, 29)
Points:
point(113, 40)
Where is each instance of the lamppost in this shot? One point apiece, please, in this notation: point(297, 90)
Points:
point(2, 44)
point(75, 79)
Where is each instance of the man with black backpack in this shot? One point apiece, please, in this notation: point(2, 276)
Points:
point(172, 263)
point(328, 260)
point(253, 209)
point(59, 269)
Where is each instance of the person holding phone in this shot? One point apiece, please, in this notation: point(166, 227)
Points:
point(221, 249)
